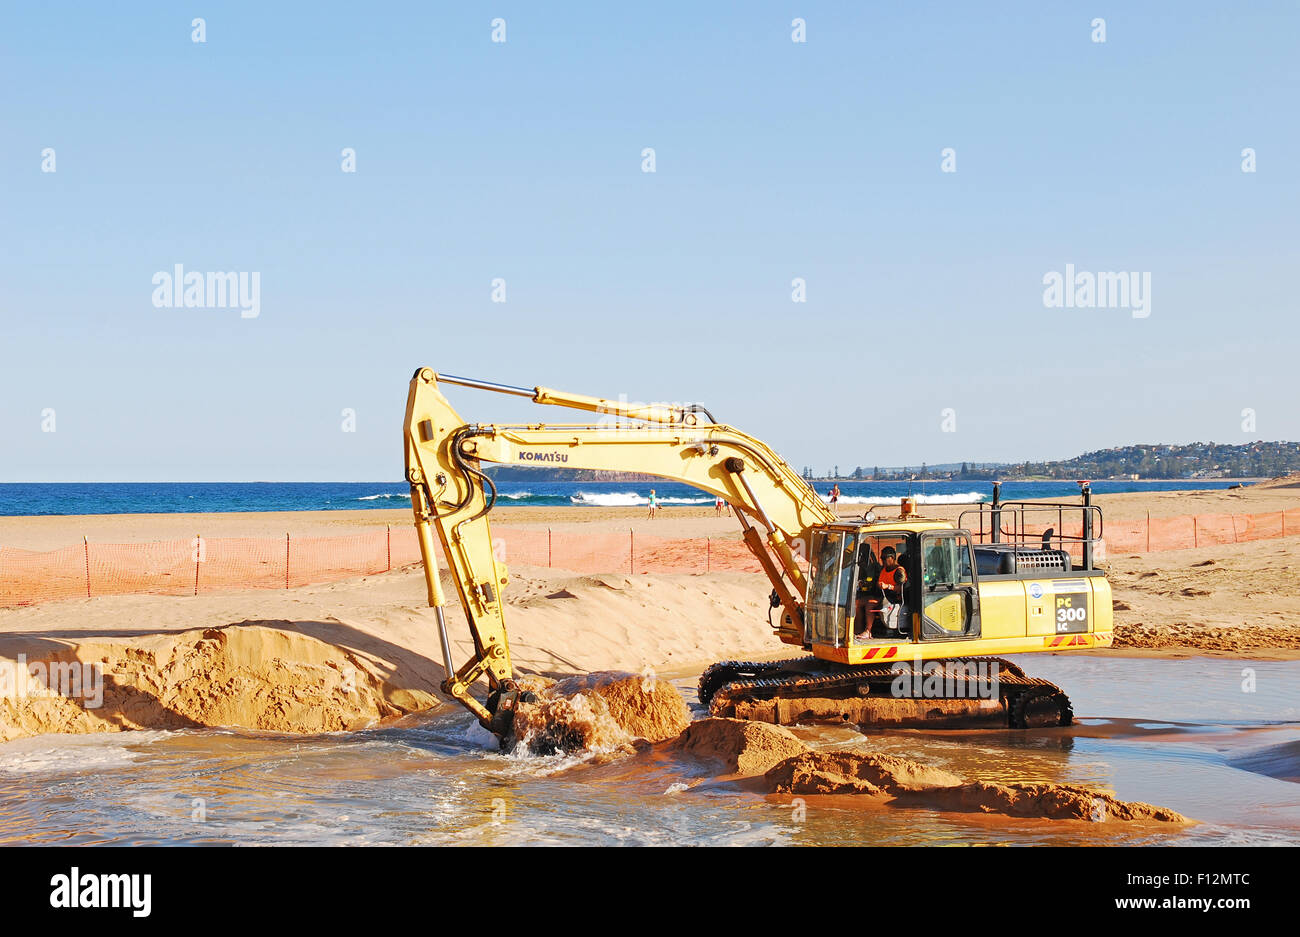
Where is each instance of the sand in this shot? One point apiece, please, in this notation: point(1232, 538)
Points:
point(741, 747)
point(789, 767)
point(855, 771)
point(273, 659)
point(907, 783)
point(256, 676)
point(1236, 600)
point(282, 643)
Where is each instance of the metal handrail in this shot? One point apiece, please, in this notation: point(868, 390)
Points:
point(1018, 534)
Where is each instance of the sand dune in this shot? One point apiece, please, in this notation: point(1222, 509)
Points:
point(347, 654)
point(869, 774)
point(1233, 600)
point(787, 766)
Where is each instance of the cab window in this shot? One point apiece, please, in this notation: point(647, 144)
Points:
point(833, 568)
point(949, 593)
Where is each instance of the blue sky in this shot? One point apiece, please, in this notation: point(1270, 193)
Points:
point(522, 160)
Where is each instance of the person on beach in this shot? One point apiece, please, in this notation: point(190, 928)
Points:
point(652, 503)
point(719, 505)
point(835, 495)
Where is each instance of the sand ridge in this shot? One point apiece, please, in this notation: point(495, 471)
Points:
point(741, 747)
point(870, 774)
point(255, 676)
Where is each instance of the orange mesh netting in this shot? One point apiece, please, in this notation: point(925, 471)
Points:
point(191, 567)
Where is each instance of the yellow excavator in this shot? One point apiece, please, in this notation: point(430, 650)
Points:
point(902, 616)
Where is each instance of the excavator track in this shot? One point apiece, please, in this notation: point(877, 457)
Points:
point(727, 671)
point(1029, 702)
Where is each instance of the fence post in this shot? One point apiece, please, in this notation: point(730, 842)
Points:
point(1148, 531)
point(1196, 540)
point(1234, 528)
point(388, 530)
point(631, 551)
point(549, 563)
point(198, 552)
point(708, 554)
point(86, 541)
point(286, 560)
point(1284, 522)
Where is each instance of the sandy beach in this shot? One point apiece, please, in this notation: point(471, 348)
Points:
point(350, 653)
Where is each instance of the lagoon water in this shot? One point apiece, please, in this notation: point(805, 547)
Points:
point(1187, 734)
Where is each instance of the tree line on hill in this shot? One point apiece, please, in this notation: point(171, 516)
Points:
point(1157, 461)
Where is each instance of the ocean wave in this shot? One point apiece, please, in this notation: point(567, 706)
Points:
point(613, 499)
point(968, 497)
point(616, 499)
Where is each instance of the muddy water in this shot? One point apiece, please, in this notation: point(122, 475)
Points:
point(1184, 734)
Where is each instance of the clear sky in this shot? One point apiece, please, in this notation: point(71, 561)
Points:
point(522, 160)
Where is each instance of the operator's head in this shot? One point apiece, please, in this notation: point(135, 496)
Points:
point(889, 557)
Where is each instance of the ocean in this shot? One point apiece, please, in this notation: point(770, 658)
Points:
point(202, 497)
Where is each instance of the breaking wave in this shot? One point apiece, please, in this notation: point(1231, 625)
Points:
point(967, 497)
point(627, 499)
point(613, 499)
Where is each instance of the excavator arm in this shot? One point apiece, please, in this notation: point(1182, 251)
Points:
point(451, 494)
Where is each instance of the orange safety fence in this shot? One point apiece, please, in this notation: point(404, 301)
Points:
point(216, 564)
point(203, 565)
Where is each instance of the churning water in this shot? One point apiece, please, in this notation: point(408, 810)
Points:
point(1213, 739)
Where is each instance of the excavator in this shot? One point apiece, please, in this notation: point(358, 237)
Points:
point(902, 619)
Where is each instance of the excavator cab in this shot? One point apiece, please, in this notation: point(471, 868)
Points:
point(1040, 595)
point(847, 606)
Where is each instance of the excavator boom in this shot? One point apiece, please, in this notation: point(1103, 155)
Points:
point(452, 495)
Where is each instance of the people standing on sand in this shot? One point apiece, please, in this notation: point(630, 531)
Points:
point(652, 503)
point(835, 496)
point(717, 505)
